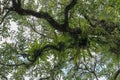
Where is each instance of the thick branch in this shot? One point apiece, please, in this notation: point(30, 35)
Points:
point(66, 11)
point(16, 4)
point(59, 47)
point(43, 15)
point(17, 8)
point(46, 16)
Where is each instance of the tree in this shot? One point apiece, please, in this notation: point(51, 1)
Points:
point(60, 39)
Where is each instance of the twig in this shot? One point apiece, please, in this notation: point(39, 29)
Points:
point(11, 65)
point(4, 16)
point(3, 76)
point(33, 28)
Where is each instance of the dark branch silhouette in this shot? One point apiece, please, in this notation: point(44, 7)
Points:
point(116, 74)
point(60, 27)
point(89, 21)
point(16, 6)
point(66, 11)
point(3, 18)
point(38, 52)
point(34, 29)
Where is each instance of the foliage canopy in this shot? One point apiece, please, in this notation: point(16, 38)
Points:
point(60, 39)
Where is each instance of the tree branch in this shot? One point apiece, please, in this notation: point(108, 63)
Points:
point(46, 16)
point(34, 29)
point(11, 65)
point(38, 52)
point(16, 4)
point(46, 78)
point(41, 14)
point(89, 21)
point(66, 11)
point(91, 71)
point(2, 75)
point(116, 74)
point(4, 17)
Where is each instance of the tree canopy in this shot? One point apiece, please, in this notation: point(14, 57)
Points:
point(60, 39)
